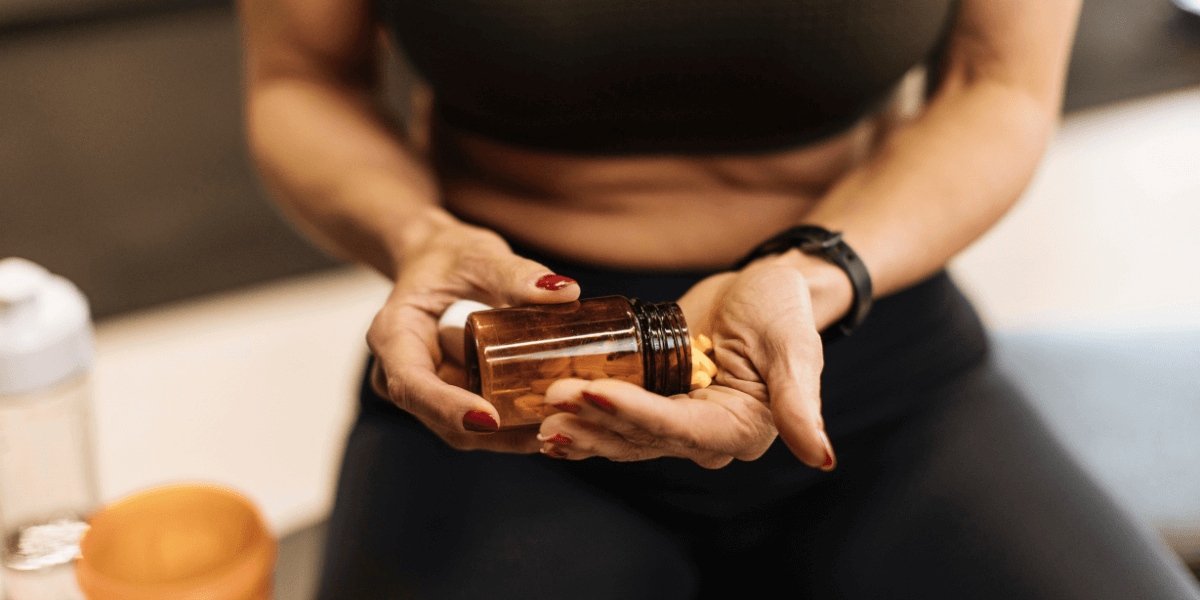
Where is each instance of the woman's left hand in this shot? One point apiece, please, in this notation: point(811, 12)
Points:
point(769, 359)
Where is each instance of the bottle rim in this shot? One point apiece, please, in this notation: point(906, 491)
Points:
point(667, 348)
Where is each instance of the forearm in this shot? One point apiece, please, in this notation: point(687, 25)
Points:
point(928, 192)
point(339, 171)
point(937, 185)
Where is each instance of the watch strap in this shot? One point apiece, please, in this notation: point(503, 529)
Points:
point(829, 245)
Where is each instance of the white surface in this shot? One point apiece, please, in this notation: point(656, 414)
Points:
point(45, 328)
point(254, 389)
point(1109, 230)
point(251, 390)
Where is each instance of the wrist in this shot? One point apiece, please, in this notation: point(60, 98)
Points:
point(417, 230)
point(804, 242)
point(829, 286)
point(404, 237)
point(375, 220)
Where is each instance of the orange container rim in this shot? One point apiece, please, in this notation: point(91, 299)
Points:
point(239, 576)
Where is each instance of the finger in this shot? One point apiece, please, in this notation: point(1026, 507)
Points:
point(576, 438)
point(452, 374)
point(793, 379)
point(407, 377)
point(787, 355)
point(520, 441)
point(378, 381)
point(517, 442)
point(422, 393)
point(513, 281)
point(714, 420)
point(567, 429)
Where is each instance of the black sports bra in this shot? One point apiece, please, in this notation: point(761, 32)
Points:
point(663, 76)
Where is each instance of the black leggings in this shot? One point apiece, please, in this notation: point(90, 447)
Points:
point(948, 486)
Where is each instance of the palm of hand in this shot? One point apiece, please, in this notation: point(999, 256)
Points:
point(760, 322)
point(769, 360)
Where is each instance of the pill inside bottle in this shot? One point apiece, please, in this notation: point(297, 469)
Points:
point(514, 354)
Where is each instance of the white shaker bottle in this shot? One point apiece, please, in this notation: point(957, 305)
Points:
point(47, 472)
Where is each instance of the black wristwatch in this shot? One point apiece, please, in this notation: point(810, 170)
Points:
point(818, 241)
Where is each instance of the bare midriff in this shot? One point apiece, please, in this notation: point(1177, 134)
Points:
point(649, 212)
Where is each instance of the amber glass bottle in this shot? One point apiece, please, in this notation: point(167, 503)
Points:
point(514, 354)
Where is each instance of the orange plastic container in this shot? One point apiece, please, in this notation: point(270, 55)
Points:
point(182, 542)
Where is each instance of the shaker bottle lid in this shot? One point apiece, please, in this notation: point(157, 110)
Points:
point(45, 328)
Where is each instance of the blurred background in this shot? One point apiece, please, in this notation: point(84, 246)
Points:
point(229, 348)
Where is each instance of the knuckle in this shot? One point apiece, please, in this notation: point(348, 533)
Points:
point(488, 240)
point(374, 334)
point(482, 251)
point(379, 381)
point(395, 393)
point(582, 445)
point(400, 391)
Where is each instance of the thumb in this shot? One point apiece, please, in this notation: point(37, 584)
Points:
point(794, 388)
point(516, 280)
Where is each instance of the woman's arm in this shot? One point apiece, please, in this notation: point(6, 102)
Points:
point(336, 165)
point(938, 184)
point(353, 183)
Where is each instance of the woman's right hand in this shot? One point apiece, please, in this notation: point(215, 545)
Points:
point(452, 262)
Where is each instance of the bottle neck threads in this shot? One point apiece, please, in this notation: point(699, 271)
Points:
point(666, 347)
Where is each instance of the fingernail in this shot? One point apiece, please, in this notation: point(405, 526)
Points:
point(600, 401)
point(559, 439)
point(554, 452)
point(830, 460)
point(477, 420)
point(554, 282)
point(570, 407)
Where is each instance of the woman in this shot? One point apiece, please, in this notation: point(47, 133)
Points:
point(643, 149)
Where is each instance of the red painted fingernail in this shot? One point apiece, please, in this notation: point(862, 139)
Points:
point(600, 401)
point(830, 460)
point(556, 452)
point(554, 282)
point(570, 407)
point(559, 439)
point(477, 420)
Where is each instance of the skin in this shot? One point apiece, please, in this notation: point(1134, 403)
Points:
point(908, 195)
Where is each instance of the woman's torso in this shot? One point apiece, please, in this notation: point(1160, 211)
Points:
point(657, 133)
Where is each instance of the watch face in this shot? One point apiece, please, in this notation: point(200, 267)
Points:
point(815, 239)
